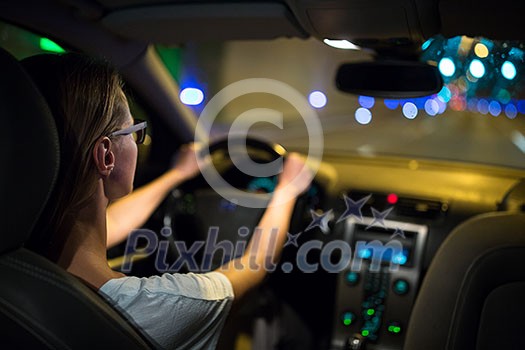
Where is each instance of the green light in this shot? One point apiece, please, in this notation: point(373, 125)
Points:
point(49, 45)
point(172, 59)
point(348, 318)
point(370, 312)
point(365, 333)
point(394, 329)
point(504, 96)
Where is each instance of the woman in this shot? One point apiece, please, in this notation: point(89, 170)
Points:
point(98, 159)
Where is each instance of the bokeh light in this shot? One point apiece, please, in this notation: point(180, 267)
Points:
point(366, 101)
point(477, 69)
point(481, 50)
point(426, 44)
point(409, 110)
point(431, 107)
point(483, 106)
point(508, 70)
point(494, 108)
point(391, 104)
point(447, 67)
point(445, 94)
point(511, 111)
point(363, 116)
point(317, 99)
point(191, 96)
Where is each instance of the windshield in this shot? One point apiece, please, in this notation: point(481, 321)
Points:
point(476, 118)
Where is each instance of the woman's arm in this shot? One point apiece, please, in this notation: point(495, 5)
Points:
point(132, 211)
point(271, 233)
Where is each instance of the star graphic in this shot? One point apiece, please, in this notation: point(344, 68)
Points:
point(353, 208)
point(398, 232)
point(292, 239)
point(320, 220)
point(379, 217)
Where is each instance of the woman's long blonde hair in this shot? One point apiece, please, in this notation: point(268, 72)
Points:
point(87, 100)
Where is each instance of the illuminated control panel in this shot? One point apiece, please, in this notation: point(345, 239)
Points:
point(375, 294)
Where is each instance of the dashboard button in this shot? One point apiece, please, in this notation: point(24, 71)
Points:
point(348, 318)
point(352, 278)
point(394, 328)
point(400, 287)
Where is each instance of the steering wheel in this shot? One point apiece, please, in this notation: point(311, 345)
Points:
point(193, 208)
point(273, 151)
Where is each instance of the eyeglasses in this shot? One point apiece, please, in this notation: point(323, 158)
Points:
point(137, 130)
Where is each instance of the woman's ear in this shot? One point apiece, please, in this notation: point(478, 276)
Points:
point(103, 156)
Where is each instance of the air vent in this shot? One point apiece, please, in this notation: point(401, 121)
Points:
point(419, 208)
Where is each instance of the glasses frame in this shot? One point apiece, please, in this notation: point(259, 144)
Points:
point(138, 125)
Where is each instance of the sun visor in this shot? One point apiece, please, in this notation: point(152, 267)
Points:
point(174, 24)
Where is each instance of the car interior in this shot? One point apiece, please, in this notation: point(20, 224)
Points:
point(419, 111)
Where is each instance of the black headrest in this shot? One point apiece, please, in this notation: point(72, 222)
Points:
point(29, 153)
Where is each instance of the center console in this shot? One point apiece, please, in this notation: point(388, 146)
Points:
point(375, 294)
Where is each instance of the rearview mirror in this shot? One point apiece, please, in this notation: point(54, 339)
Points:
point(389, 79)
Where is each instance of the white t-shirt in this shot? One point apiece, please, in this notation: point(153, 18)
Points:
point(176, 311)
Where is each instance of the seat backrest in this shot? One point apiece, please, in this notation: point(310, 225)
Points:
point(41, 305)
point(473, 295)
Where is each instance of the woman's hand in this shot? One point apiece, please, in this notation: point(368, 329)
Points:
point(268, 242)
point(296, 176)
point(187, 161)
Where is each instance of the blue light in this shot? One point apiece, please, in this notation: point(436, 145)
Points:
point(442, 105)
point(453, 44)
point(477, 69)
point(494, 108)
point(472, 104)
point(352, 277)
point(317, 99)
point(516, 54)
point(365, 253)
point(363, 116)
point(511, 111)
point(391, 104)
point(431, 107)
point(400, 259)
point(191, 96)
point(483, 106)
point(420, 102)
point(426, 44)
point(445, 94)
point(447, 67)
point(521, 106)
point(366, 101)
point(508, 70)
point(409, 110)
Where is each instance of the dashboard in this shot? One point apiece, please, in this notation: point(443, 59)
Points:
point(413, 202)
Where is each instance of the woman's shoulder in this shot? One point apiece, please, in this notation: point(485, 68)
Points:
point(177, 311)
point(207, 286)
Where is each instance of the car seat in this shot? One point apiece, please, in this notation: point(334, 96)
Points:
point(41, 305)
point(473, 295)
